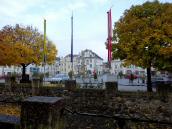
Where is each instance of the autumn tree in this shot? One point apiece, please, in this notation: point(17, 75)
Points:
point(6, 53)
point(144, 36)
point(22, 46)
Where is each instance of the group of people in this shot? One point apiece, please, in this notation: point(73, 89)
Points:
point(132, 77)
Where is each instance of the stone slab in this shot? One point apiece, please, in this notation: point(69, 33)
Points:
point(9, 119)
point(43, 99)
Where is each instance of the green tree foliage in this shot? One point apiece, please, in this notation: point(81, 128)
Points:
point(144, 36)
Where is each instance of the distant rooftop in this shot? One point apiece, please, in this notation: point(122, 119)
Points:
point(69, 55)
point(87, 50)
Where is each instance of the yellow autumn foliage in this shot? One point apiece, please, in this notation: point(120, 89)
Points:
point(20, 45)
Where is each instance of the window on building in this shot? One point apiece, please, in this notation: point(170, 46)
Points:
point(90, 65)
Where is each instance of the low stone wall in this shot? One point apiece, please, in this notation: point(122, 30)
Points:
point(70, 85)
point(105, 102)
point(28, 90)
point(164, 88)
point(141, 105)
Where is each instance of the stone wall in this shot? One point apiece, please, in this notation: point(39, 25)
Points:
point(99, 101)
point(141, 105)
point(28, 90)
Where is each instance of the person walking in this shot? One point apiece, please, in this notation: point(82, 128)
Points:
point(143, 78)
point(131, 78)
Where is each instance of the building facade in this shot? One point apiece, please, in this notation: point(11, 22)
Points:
point(8, 70)
point(90, 61)
point(66, 65)
point(86, 61)
point(117, 67)
point(49, 70)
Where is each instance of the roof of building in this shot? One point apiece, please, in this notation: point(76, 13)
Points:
point(95, 55)
point(86, 50)
point(69, 55)
point(58, 58)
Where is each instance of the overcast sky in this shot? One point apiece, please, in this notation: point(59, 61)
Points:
point(90, 20)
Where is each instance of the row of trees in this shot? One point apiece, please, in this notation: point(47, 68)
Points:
point(23, 45)
point(143, 37)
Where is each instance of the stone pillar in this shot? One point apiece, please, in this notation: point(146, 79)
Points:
point(163, 90)
point(25, 79)
point(111, 88)
point(70, 85)
point(35, 85)
point(36, 82)
point(39, 112)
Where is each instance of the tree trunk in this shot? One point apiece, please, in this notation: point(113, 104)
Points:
point(149, 83)
point(24, 77)
point(23, 70)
